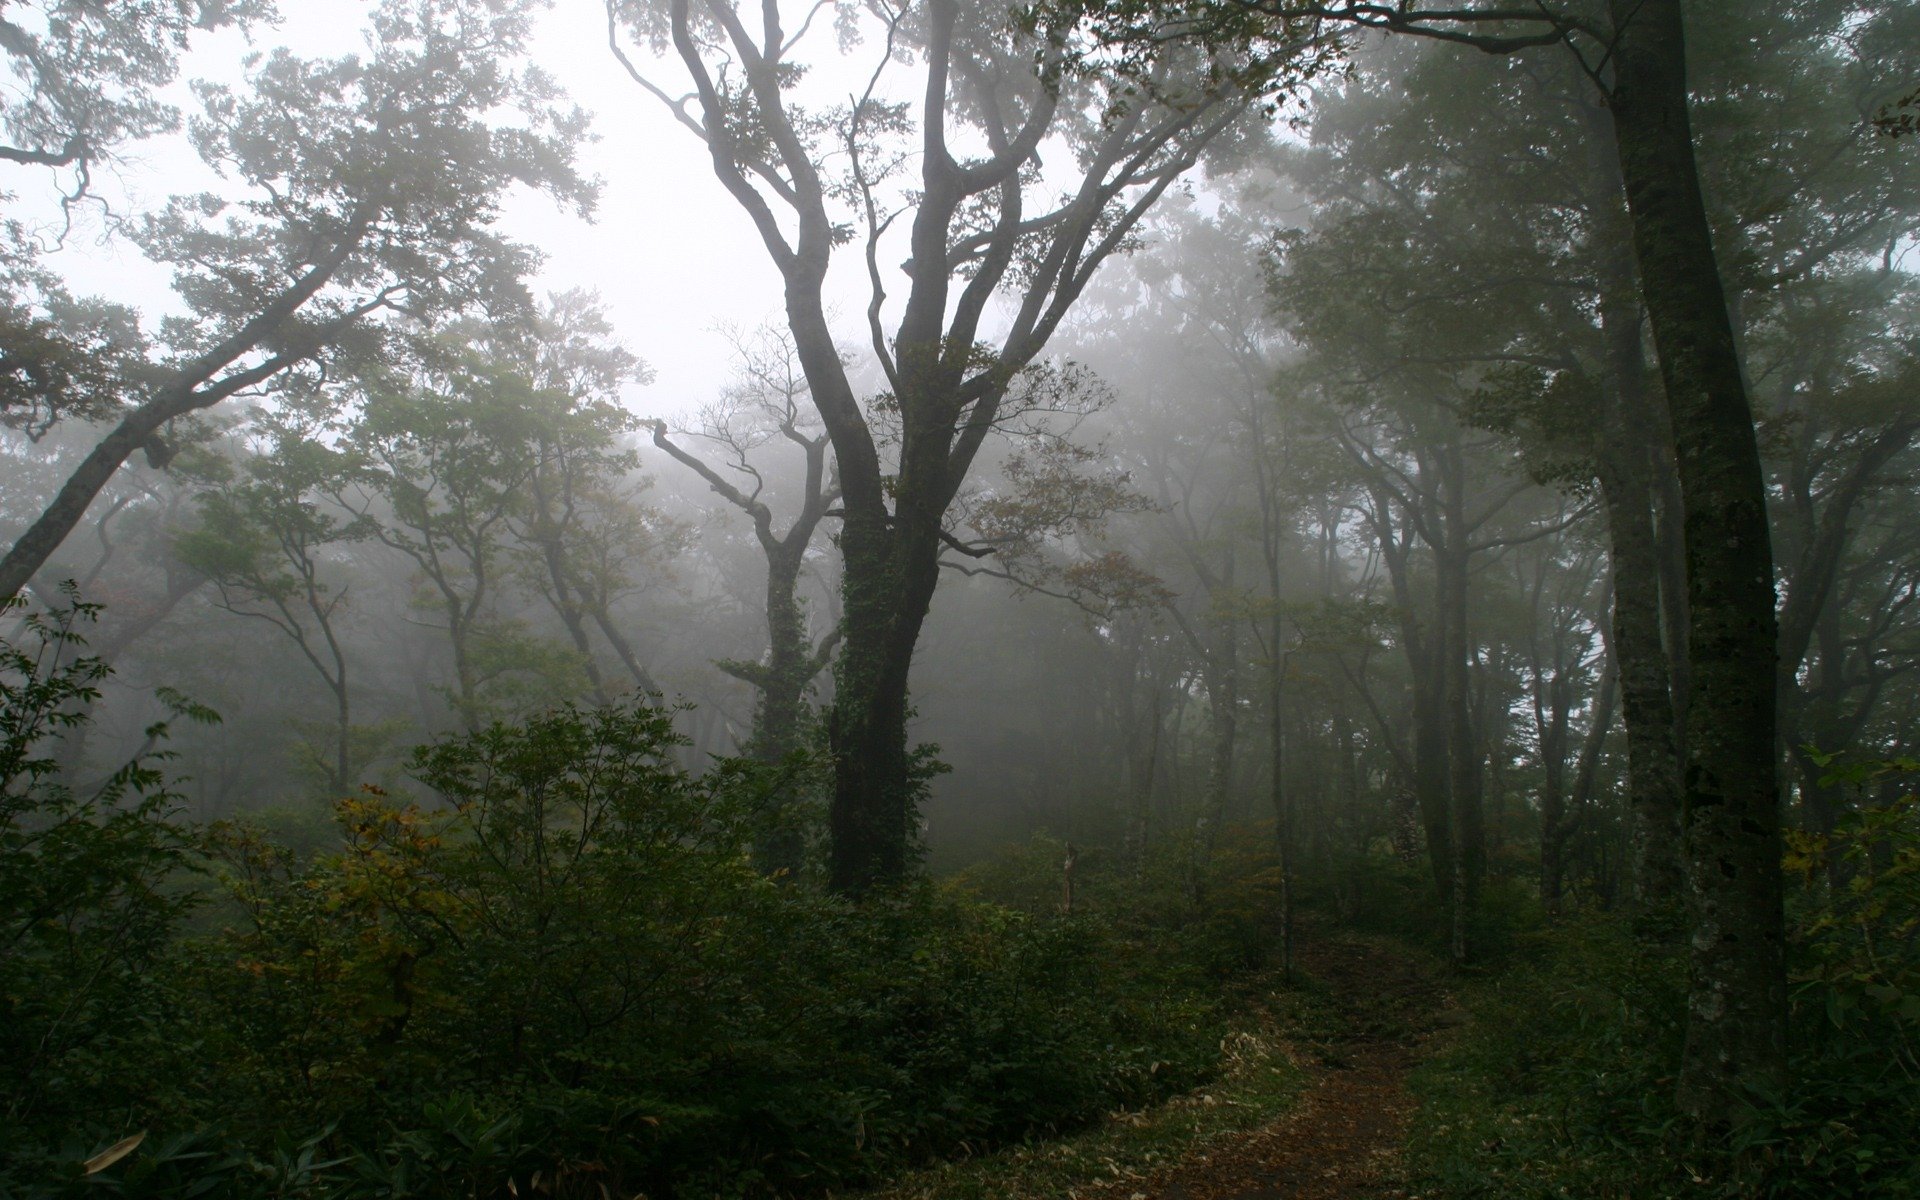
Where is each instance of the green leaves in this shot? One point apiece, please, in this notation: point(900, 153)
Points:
point(87, 896)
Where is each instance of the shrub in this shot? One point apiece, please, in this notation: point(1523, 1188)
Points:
point(556, 969)
point(86, 906)
point(1563, 1086)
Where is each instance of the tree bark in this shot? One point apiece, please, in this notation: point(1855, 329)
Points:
point(888, 588)
point(1623, 465)
point(1736, 1019)
point(1464, 812)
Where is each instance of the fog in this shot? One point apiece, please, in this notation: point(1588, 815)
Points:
point(1273, 459)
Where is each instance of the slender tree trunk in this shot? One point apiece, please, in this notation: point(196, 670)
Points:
point(465, 679)
point(1143, 761)
point(1646, 682)
point(1465, 815)
point(623, 649)
point(1223, 705)
point(782, 686)
point(1430, 773)
point(1646, 699)
point(343, 738)
point(1282, 802)
point(1736, 1020)
point(1554, 824)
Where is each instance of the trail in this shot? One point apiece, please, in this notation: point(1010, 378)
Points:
point(1343, 1139)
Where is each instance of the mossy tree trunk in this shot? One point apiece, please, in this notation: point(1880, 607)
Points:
point(1736, 1019)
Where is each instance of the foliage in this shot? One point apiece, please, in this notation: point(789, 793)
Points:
point(1563, 1086)
point(1217, 929)
point(1859, 914)
point(85, 903)
point(555, 970)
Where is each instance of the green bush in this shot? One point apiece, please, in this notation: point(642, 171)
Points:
point(555, 970)
point(86, 907)
point(1211, 926)
point(1563, 1086)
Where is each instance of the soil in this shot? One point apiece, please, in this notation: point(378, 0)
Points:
point(1343, 1139)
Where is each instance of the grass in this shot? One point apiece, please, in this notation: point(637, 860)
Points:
point(1260, 1078)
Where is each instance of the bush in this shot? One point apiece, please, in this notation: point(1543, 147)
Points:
point(556, 970)
point(1217, 926)
point(86, 910)
point(1563, 1086)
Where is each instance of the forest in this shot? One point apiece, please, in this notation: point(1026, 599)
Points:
point(942, 599)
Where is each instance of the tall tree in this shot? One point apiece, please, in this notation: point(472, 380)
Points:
point(991, 94)
point(372, 187)
point(1634, 53)
point(767, 406)
point(580, 507)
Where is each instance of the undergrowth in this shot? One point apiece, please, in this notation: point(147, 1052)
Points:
point(1563, 1083)
point(552, 970)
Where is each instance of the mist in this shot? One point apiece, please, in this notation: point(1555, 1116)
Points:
point(928, 599)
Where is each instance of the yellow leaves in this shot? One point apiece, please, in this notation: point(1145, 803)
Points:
point(392, 862)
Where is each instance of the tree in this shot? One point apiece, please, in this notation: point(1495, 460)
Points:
point(580, 522)
point(991, 95)
point(372, 188)
point(767, 405)
point(265, 532)
point(1636, 56)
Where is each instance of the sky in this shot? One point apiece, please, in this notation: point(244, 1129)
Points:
point(670, 254)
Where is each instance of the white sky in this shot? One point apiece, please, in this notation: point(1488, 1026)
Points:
point(670, 253)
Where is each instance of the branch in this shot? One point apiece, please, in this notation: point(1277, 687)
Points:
point(971, 551)
point(762, 516)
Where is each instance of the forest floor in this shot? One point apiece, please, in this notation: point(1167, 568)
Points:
point(1343, 1138)
point(1314, 1105)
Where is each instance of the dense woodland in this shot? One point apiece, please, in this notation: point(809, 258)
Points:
point(1216, 482)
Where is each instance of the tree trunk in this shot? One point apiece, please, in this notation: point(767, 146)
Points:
point(1429, 782)
point(1736, 1019)
point(1554, 824)
point(888, 582)
point(1430, 773)
point(1464, 812)
point(789, 661)
point(1282, 805)
point(1223, 708)
point(71, 502)
point(782, 685)
point(1646, 682)
point(1143, 759)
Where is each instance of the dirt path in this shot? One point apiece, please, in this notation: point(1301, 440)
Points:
point(1343, 1139)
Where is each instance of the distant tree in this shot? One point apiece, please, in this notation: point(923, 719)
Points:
point(267, 529)
point(373, 184)
point(581, 527)
point(765, 410)
point(449, 443)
